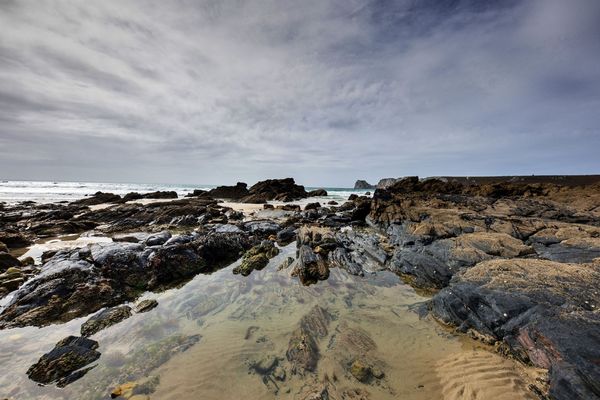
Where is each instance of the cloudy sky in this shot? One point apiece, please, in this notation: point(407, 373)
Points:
point(326, 91)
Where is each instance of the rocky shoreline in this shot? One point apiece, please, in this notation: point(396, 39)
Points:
point(515, 264)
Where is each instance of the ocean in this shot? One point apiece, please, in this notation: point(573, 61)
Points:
point(52, 192)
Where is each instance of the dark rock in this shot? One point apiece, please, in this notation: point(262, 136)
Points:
point(98, 198)
point(229, 192)
point(268, 207)
point(332, 203)
point(14, 240)
point(360, 185)
point(317, 193)
point(311, 267)
point(3, 248)
point(196, 193)
point(360, 371)
point(62, 363)
point(160, 195)
point(286, 235)
point(104, 319)
point(146, 305)
point(7, 261)
point(275, 189)
point(313, 206)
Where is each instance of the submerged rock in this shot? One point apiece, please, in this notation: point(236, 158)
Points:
point(104, 319)
point(63, 364)
point(303, 348)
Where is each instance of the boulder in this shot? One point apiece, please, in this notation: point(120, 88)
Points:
point(196, 193)
point(317, 193)
point(275, 189)
point(313, 206)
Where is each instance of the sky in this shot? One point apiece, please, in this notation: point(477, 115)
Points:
point(325, 91)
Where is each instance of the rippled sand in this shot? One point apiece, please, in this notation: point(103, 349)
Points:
point(242, 320)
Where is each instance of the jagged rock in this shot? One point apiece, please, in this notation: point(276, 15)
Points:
point(63, 364)
point(104, 319)
point(311, 267)
point(275, 189)
point(286, 235)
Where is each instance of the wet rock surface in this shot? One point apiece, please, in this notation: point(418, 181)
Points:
point(75, 283)
point(63, 364)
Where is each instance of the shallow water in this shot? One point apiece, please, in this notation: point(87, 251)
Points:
point(240, 320)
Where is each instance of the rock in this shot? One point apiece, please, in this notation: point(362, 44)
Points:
point(75, 283)
point(104, 319)
point(317, 193)
point(136, 390)
point(63, 364)
point(361, 185)
point(256, 258)
point(27, 261)
point(160, 195)
point(311, 267)
point(332, 203)
point(386, 182)
point(227, 228)
point(158, 239)
point(541, 311)
point(312, 206)
point(286, 235)
point(262, 227)
point(275, 189)
point(145, 305)
point(98, 198)
point(14, 240)
point(303, 350)
point(360, 371)
point(268, 207)
point(7, 261)
point(236, 192)
point(3, 248)
point(196, 193)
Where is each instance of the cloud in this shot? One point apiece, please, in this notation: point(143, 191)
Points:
point(326, 91)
